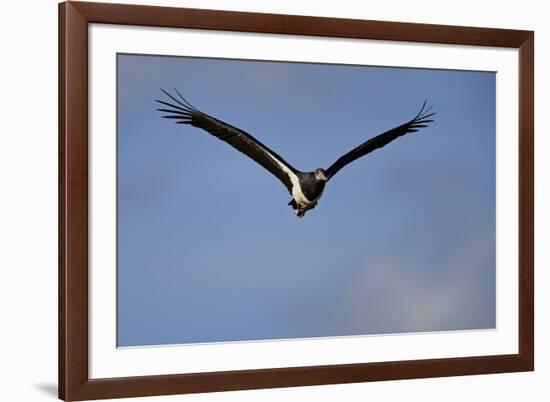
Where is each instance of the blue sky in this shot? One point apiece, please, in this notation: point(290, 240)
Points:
point(403, 239)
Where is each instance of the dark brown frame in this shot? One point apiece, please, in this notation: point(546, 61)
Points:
point(74, 383)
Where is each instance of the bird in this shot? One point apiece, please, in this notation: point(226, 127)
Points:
point(306, 188)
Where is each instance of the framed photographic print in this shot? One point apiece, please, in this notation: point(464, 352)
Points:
point(258, 200)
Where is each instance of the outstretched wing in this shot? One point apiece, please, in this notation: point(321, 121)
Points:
point(185, 113)
point(421, 120)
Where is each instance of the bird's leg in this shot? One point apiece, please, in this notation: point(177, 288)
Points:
point(298, 210)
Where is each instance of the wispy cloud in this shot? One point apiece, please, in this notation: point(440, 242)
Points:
point(392, 295)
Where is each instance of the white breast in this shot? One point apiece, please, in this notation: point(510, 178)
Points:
point(299, 195)
point(296, 189)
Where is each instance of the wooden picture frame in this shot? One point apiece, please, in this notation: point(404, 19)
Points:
point(74, 381)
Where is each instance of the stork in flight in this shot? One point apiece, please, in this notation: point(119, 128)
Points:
point(306, 188)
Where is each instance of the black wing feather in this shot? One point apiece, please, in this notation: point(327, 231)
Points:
point(186, 113)
point(421, 120)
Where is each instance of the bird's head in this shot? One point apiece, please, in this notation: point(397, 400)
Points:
point(321, 175)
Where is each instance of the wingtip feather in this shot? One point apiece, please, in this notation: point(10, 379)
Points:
point(189, 104)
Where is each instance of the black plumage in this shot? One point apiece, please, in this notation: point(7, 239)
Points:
point(421, 120)
point(311, 187)
point(185, 113)
point(305, 187)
